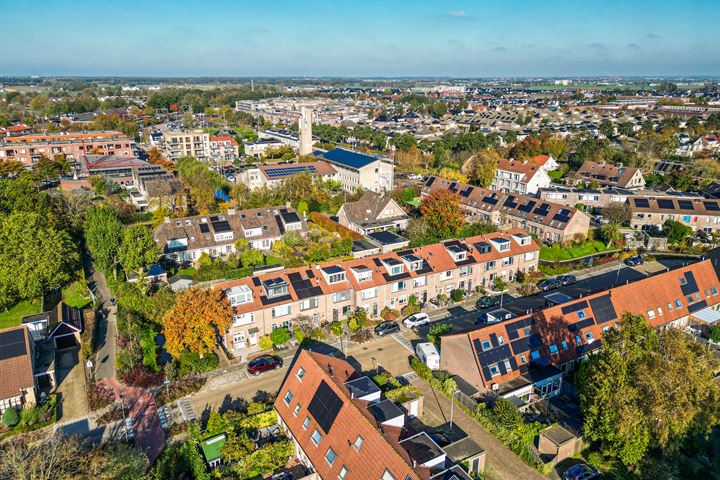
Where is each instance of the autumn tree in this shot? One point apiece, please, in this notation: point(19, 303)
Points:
point(618, 213)
point(647, 389)
point(196, 320)
point(441, 210)
point(481, 167)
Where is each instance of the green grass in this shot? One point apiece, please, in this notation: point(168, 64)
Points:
point(76, 295)
point(13, 316)
point(557, 253)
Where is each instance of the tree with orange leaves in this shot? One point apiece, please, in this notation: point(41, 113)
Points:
point(441, 210)
point(194, 321)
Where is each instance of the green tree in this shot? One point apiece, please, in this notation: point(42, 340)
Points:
point(138, 249)
point(647, 389)
point(618, 213)
point(35, 257)
point(280, 336)
point(436, 331)
point(482, 166)
point(251, 257)
point(610, 233)
point(10, 418)
point(676, 231)
point(103, 234)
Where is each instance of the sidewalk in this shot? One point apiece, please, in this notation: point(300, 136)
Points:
point(107, 329)
point(501, 462)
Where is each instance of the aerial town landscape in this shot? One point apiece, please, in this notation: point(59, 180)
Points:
point(385, 253)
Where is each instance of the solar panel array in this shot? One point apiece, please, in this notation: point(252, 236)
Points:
point(204, 228)
point(666, 204)
point(543, 209)
point(511, 202)
point(221, 226)
point(603, 309)
point(641, 202)
point(574, 307)
point(711, 206)
point(285, 171)
point(12, 344)
point(325, 406)
point(685, 205)
point(528, 206)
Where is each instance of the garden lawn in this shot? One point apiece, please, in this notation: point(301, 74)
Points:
point(557, 253)
point(13, 316)
point(76, 295)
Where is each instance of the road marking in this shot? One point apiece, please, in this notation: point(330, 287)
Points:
point(403, 341)
point(410, 376)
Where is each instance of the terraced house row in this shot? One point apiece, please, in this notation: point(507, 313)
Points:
point(526, 356)
point(549, 221)
point(333, 290)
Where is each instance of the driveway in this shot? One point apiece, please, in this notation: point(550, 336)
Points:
point(70, 385)
point(107, 328)
point(501, 462)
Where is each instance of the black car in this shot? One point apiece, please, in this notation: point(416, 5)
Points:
point(634, 261)
point(487, 302)
point(566, 279)
point(548, 284)
point(386, 328)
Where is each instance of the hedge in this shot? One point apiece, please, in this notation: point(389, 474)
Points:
point(325, 222)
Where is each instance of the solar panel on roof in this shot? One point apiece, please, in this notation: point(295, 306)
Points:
point(666, 204)
point(711, 206)
point(641, 202)
point(685, 205)
point(221, 226)
point(603, 309)
point(285, 171)
point(510, 202)
point(574, 307)
point(12, 344)
point(543, 209)
point(325, 406)
point(491, 199)
point(528, 206)
point(430, 182)
point(204, 228)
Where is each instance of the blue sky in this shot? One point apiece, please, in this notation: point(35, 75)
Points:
point(478, 38)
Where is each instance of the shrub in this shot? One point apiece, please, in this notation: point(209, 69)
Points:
point(99, 396)
point(410, 309)
point(403, 394)
point(190, 363)
point(300, 334)
point(499, 285)
point(388, 314)
point(361, 337)
point(337, 328)
point(265, 342)
point(457, 295)
point(318, 334)
point(436, 331)
point(140, 376)
point(10, 418)
point(507, 414)
point(280, 336)
point(179, 388)
point(715, 333)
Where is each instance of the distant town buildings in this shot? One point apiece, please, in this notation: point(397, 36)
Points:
point(28, 149)
point(177, 144)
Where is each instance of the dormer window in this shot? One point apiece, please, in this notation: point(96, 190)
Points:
point(413, 262)
point(275, 287)
point(239, 295)
point(457, 253)
point(334, 274)
point(394, 266)
point(362, 273)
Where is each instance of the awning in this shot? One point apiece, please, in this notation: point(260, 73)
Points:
point(707, 316)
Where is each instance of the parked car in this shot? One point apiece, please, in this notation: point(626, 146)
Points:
point(580, 471)
point(264, 363)
point(387, 327)
point(428, 354)
point(487, 302)
point(566, 279)
point(417, 320)
point(548, 284)
point(634, 261)
point(415, 176)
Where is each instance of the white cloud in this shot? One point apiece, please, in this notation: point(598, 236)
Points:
point(458, 13)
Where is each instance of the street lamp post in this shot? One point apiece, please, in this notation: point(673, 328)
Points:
point(452, 407)
point(122, 407)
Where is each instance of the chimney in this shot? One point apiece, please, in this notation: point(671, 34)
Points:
point(231, 211)
point(330, 370)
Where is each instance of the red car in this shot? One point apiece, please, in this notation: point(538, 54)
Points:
point(264, 363)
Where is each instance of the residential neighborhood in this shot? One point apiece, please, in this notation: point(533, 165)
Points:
point(430, 242)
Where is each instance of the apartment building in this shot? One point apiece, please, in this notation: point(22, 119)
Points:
point(333, 290)
point(177, 144)
point(28, 149)
point(358, 170)
point(610, 175)
point(185, 239)
point(223, 149)
point(258, 148)
point(524, 177)
point(653, 212)
point(343, 428)
point(15, 130)
point(549, 221)
point(526, 356)
point(271, 175)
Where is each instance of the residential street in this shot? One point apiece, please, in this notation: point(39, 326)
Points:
point(107, 328)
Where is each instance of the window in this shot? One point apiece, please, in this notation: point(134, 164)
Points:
point(690, 299)
point(553, 349)
point(501, 340)
point(589, 337)
point(713, 290)
point(341, 296)
point(564, 345)
point(396, 270)
point(494, 370)
point(669, 307)
point(281, 311)
point(244, 319)
point(697, 296)
point(446, 274)
point(358, 442)
point(300, 373)
point(523, 359)
point(578, 340)
point(678, 304)
point(467, 270)
point(486, 345)
point(343, 473)
point(239, 295)
point(288, 397)
point(387, 475)
point(581, 314)
point(707, 292)
point(336, 277)
point(316, 436)
point(683, 280)
point(659, 311)
point(420, 282)
point(651, 313)
point(306, 423)
point(330, 456)
point(508, 366)
point(296, 411)
point(399, 286)
point(369, 293)
point(535, 355)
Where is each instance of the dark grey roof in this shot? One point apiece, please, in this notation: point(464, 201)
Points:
point(421, 448)
point(384, 410)
point(361, 387)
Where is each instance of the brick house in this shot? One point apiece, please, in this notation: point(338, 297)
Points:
point(371, 213)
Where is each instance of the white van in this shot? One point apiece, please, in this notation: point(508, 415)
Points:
point(428, 354)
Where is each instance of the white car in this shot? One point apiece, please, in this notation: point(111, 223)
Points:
point(417, 320)
point(415, 176)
